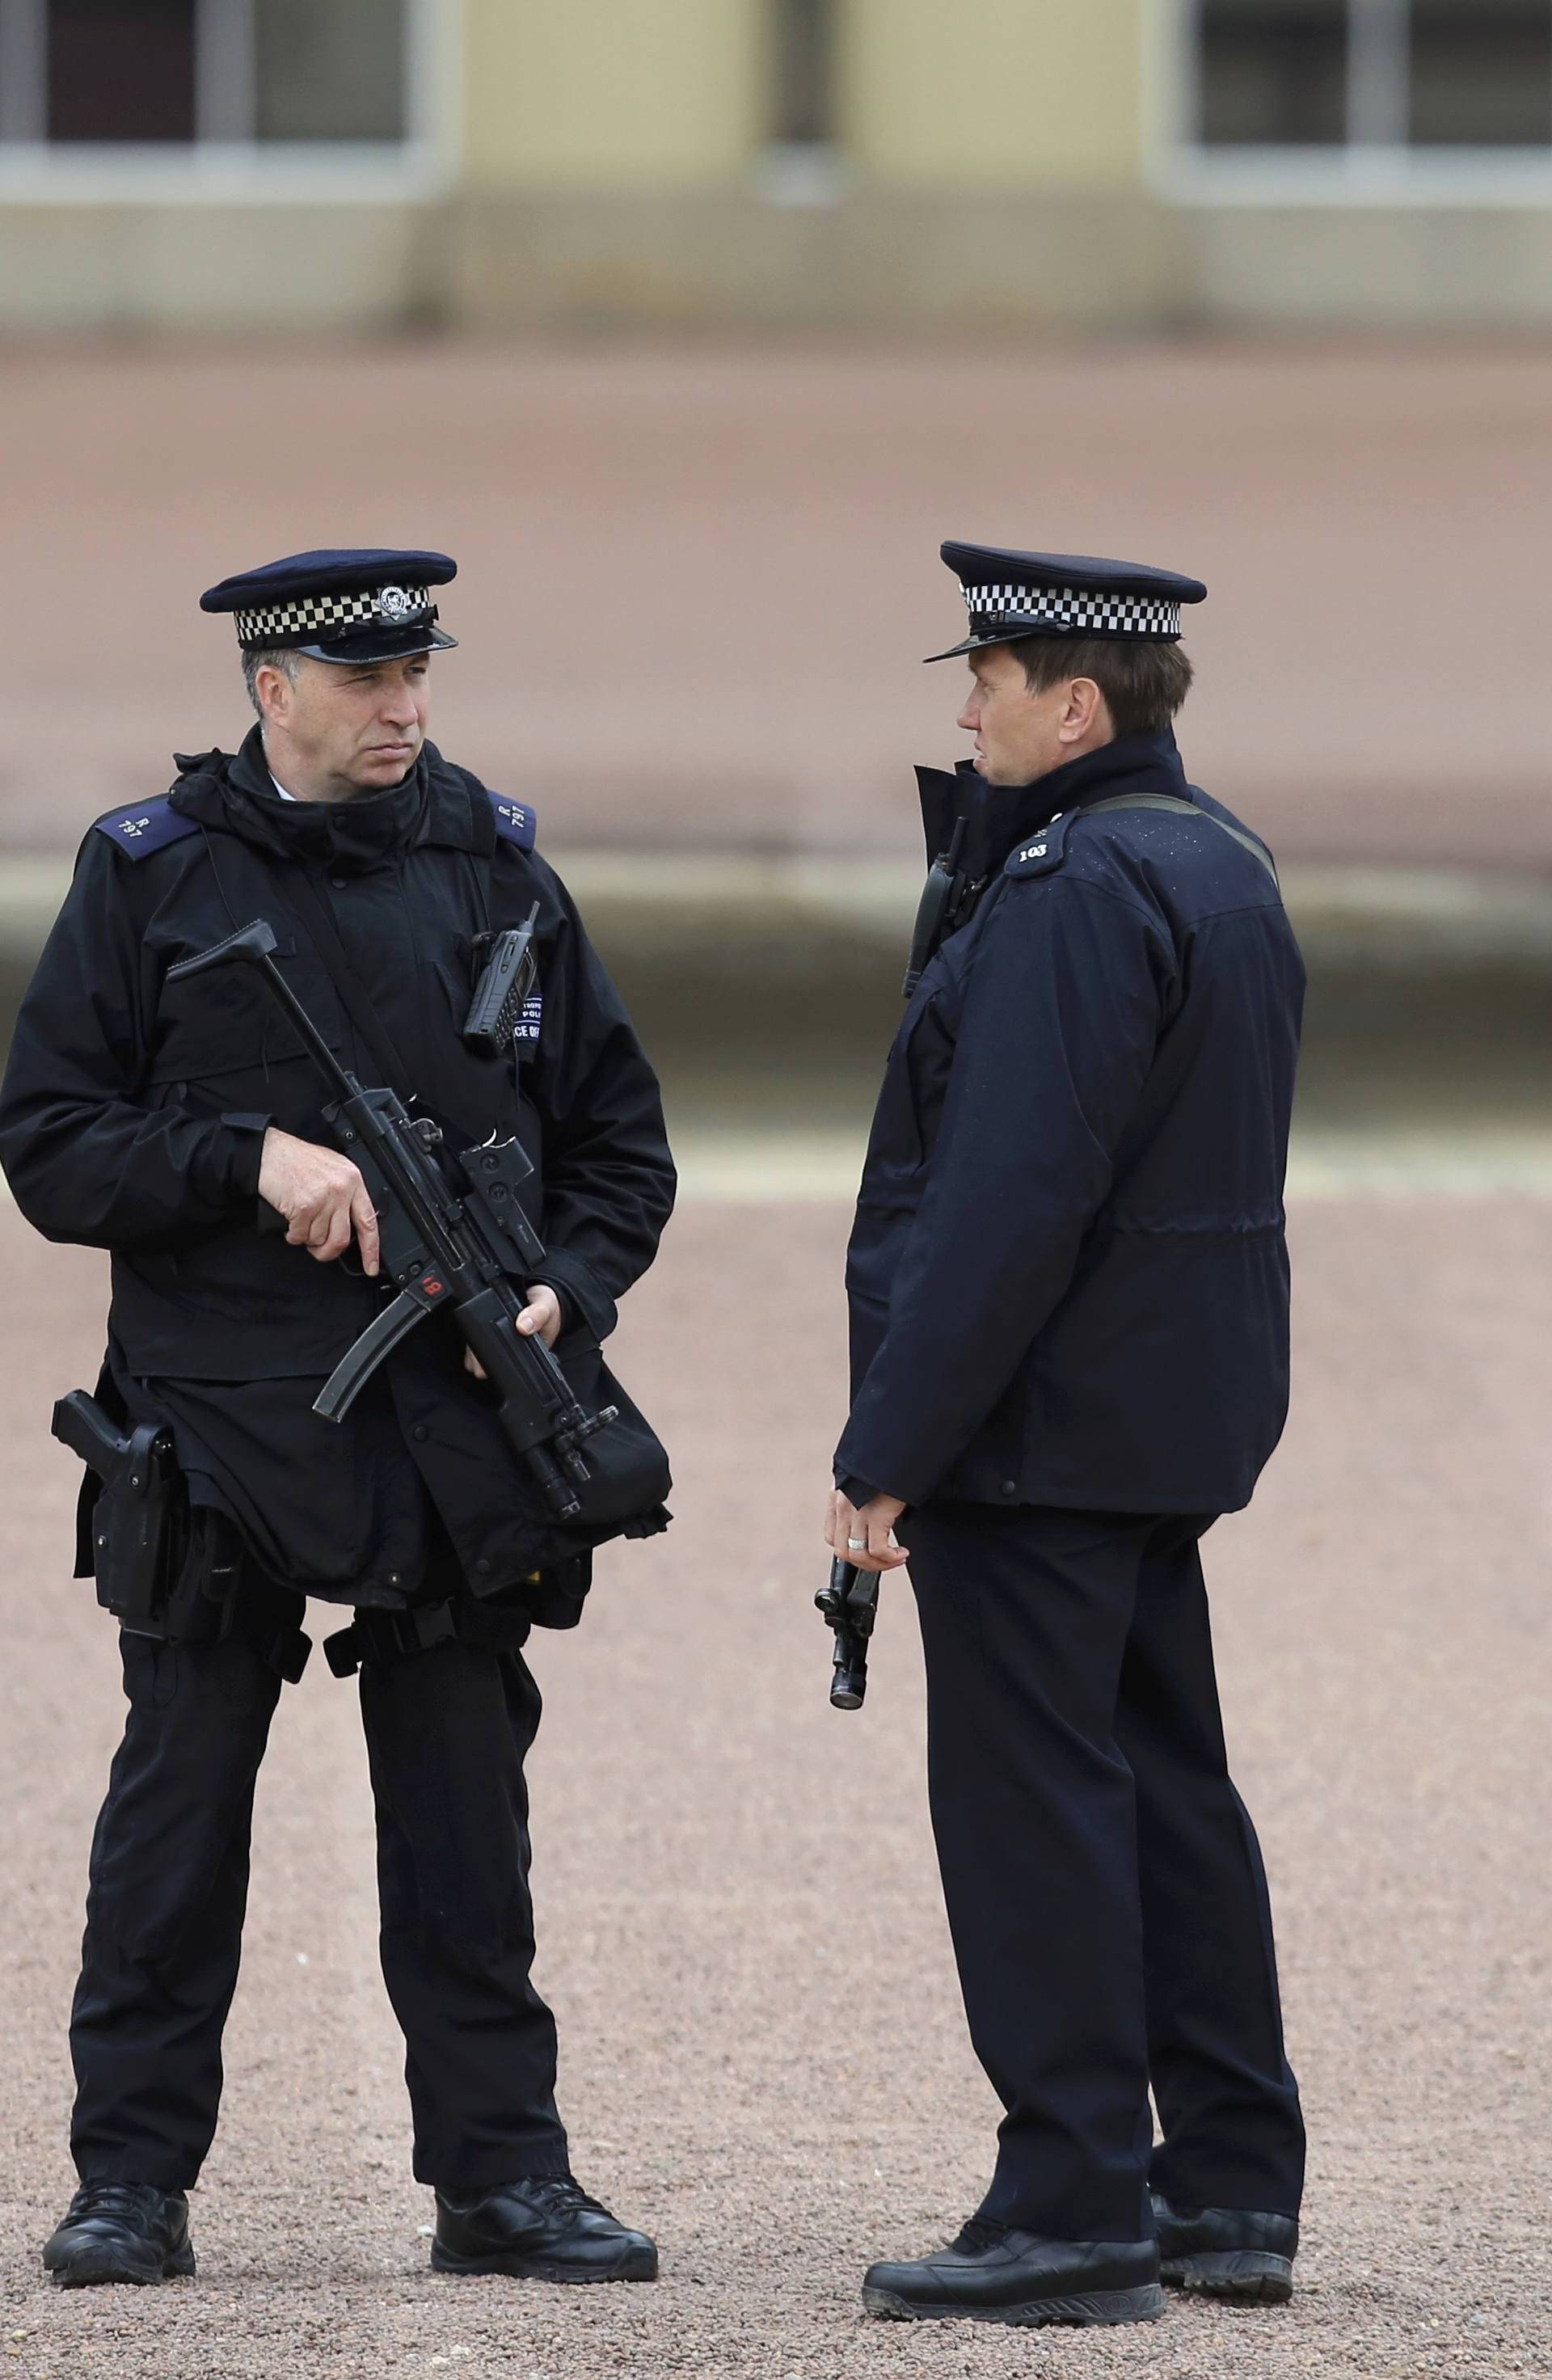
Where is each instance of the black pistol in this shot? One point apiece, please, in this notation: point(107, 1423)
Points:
point(137, 1519)
point(506, 981)
point(850, 1603)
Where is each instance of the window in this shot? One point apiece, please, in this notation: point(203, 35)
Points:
point(165, 74)
point(117, 74)
point(1274, 73)
point(1370, 76)
point(1480, 73)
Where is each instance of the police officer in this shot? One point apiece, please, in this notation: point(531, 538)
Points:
point(180, 1125)
point(1069, 1302)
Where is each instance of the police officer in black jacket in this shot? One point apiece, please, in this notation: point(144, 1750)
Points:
point(1068, 1298)
point(180, 1126)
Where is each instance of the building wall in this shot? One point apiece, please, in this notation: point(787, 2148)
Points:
point(999, 164)
point(988, 169)
point(114, 265)
point(631, 95)
point(1002, 94)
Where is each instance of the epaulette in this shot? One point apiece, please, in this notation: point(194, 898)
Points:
point(1042, 852)
point(515, 822)
point(141, 828)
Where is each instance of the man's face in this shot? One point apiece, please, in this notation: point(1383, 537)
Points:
point(1020, 735)
point(348, 730)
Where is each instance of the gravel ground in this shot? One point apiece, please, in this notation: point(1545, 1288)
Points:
point(763, 2054)
point(697, 579)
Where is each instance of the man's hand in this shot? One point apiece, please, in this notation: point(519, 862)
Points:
point(866, 1540)
point(543, 1313)
point(322, 1196)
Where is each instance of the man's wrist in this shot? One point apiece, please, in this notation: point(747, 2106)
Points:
point(563, 1298)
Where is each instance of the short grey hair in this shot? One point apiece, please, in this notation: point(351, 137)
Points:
point(252, 662)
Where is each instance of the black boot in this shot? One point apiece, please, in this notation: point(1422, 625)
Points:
point(1220, 2252)
point(121, 2232)
point(540, 2227)
point(994, 2274)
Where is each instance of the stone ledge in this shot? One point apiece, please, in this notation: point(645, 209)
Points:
point(654, 904)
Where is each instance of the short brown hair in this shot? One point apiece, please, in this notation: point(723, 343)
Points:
point(1144, 683)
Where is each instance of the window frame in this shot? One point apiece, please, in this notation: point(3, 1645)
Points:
point(789, 172)
point(1378, 172)
point(218, 169)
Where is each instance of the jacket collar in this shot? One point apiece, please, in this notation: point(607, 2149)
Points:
point(435, 803)
point(997, 817)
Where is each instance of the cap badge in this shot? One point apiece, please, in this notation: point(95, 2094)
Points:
point(396, 602)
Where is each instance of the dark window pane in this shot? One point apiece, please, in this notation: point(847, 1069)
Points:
point(1274, 73)
point(121, 70)
point(803, 79)
point(1482, 73)
point(331, 70)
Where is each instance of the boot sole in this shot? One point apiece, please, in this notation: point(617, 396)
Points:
point(1238, 2276)
point(541, 2268)
point(1144, 2304)
point(91, 2268)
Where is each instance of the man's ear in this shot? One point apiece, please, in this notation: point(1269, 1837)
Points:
point(273, 687)
point(1084, 702)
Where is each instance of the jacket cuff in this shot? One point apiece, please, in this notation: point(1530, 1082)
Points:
point(877, 1471)
point(234, 1153)
point(856, 1491)
point(584, 1298)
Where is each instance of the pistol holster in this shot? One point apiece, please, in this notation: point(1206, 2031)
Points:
point(165, 1568)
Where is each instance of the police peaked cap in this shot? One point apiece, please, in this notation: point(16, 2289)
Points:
point(366, 605)
point(1010, 595)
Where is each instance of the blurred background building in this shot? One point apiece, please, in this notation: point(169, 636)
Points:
point(691, 327)
point(501, 163)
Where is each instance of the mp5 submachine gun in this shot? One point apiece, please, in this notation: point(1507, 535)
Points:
point(453, 1234)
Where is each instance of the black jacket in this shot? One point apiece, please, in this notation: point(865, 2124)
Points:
point(133, 1113)
point(1068, 1275)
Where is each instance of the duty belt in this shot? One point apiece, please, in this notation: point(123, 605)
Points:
point(255, 1614)
point(384, 1636)
point(273, 1634)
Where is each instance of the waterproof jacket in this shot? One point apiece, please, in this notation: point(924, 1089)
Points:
point(133, 1114)
point(1068, 1275)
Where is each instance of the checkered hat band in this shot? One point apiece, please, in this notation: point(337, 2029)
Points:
point(1069, 609)
point(336, 614)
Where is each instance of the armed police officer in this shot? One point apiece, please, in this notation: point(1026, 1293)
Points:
point(1069, 1299)
point(179, 1122)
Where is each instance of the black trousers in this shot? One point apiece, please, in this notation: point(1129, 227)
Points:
point(447, 1731)
point(1105, 1889)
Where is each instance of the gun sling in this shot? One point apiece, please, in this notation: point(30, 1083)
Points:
point(1250, 843)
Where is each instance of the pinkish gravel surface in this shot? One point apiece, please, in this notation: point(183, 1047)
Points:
point(740, 1927)
point(697, 578)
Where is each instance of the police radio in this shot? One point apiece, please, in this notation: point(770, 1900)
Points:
point(508, 972)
